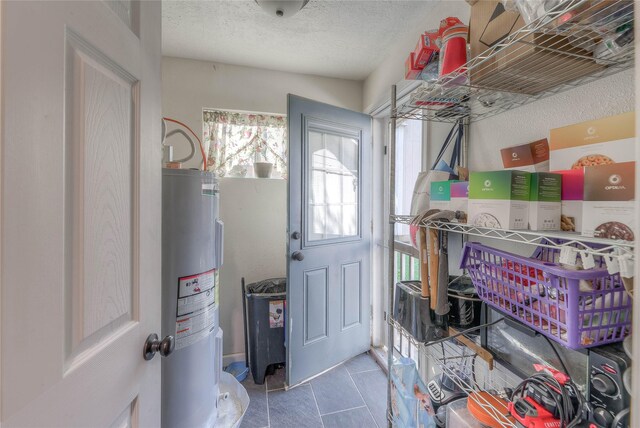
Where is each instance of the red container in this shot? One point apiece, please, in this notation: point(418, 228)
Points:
point(454, 47)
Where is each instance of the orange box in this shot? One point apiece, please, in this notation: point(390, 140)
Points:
point(532, 157)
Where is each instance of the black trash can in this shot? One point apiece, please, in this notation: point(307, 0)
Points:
point(265, 303)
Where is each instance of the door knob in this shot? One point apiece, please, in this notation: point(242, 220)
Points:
point(154, 344)
point(297, 255)
point(295, 235)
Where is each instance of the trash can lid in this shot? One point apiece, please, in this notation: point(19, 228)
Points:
point(268, 286)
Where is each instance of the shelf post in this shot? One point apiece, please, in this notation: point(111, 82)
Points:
point(391, 244)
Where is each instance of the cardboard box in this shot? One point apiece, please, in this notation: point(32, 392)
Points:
point(595, 142)
point(532, 157)
point(523, 67)
point(499, 199)
point(426, 49)
point(460, 198)
point(440, 195)
point(572, 194)
point(544, 201)
point(608, 207)
point(410, 70)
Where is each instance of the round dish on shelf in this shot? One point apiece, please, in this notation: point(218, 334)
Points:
point(479, 402)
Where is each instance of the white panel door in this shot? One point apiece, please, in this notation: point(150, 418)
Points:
point(80, 253)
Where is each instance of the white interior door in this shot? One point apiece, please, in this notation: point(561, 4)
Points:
point(80, 202)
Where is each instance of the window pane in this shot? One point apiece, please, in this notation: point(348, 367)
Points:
point(333, 186)
point(408, 166)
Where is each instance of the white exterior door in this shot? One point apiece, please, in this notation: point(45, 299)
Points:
point(80, 213)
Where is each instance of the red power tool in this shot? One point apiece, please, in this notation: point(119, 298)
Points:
point(530, 414)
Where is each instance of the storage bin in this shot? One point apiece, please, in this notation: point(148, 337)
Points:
point(576, 308)
point(264, 324)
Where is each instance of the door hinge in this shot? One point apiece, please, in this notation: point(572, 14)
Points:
point(385, 150)
point(384, 315)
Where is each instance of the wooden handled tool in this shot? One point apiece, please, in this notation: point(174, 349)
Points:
point(424, 262)
point(433, 267)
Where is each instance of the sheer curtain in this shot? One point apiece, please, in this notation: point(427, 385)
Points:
point(244, 138)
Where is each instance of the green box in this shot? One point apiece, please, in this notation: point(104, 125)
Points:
point(440, 195)
point(545, 206)
point(499, 199)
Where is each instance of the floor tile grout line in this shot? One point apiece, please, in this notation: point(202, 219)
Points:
point(313, 393)
point(366, 371)
point(345, 410)
point(266, 393)
point(365, 403)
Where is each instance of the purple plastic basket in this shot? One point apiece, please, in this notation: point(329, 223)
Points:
point(577, 308)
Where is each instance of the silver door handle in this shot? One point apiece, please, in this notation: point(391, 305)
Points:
point(153, 344)
point(297, 255)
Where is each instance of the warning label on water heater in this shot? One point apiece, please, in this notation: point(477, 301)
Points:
point(196, 307)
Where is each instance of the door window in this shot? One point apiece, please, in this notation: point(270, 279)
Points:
point(333, 187)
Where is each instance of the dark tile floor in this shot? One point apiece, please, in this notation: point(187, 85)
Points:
point(352, 395)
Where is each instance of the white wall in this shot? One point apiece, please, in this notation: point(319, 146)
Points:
point(188, 86)
point(254, 210)
point(605, 97)
point(254, 215)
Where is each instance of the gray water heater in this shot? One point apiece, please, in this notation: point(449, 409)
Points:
point(192, 237)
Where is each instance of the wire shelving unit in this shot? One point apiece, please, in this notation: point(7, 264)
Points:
point(556, 52)
point(555, 239)
point(551, 55)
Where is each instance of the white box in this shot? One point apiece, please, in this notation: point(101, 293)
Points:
point(608, 207)
point(460, 198)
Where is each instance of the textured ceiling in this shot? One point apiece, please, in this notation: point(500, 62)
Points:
point(346, 39)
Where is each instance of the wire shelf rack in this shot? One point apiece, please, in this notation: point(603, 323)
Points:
point(468, 370)
point(588, 245)
point(556, 52)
